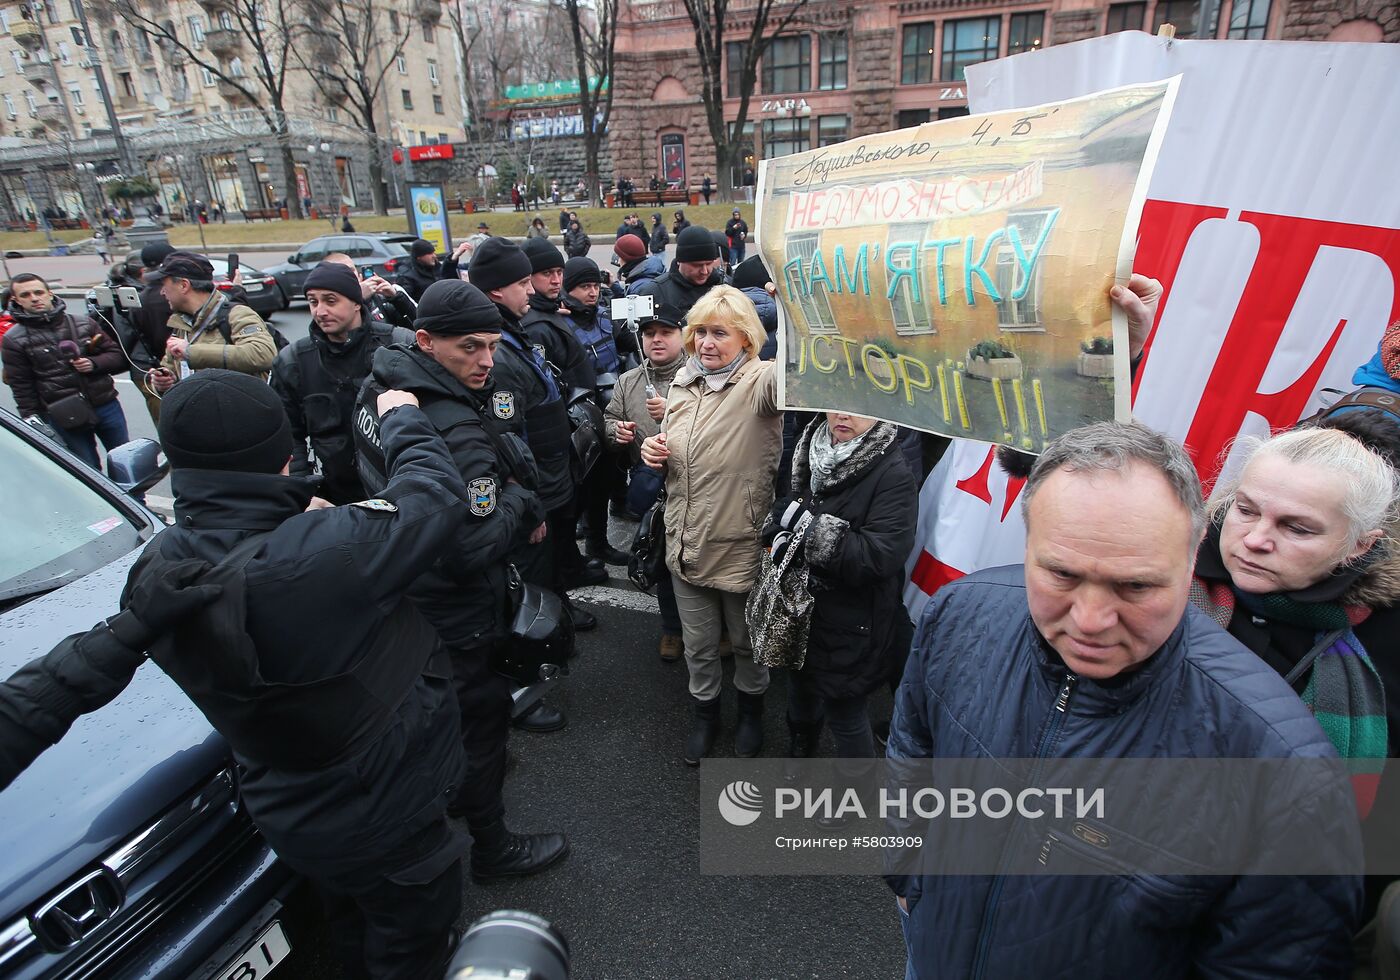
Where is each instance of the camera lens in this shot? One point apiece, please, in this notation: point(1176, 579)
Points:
point(511, 944)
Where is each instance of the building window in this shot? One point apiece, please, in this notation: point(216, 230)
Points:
point(206, 76)
point(832, 129)
point(911, 117)
point(437, 105)
point(19, 61)
point(969, 42)
point(831, 62)
point(1125, 17)
point(787, 65)
point(64, 54)
point(402, 64)
point(29, 101)
point(1023, 313)
point(73, 7)
point(1184, 15)
point(1249, 19)
point(784, 136)
point(128, 89)
point(744, 159)
point(427, 32)
point(407, 98)
point(432, 71)
point(394, 22)
point(51, 8)
point(1027, 32)
point(235, 68)
point(916, 62)
point(10, 107)
point(75, 96)
point(225, 20)
point(734, 52)
point(196, 32)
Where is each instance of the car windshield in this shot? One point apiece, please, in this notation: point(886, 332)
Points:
point(54, 528)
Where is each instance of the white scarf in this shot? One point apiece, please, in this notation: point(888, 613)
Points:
point(716, 377)
point(825, 456)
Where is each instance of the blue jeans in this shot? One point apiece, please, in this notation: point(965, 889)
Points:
point(110, 428)
point(736, 254)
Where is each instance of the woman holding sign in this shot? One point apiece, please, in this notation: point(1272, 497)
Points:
point(719, 446)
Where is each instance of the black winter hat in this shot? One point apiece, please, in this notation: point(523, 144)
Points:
point(498, 262)
point(696, 244)
point(154, 254)
point(337, 278)
point(579, 271)
point(421, 247)
point(182, 265)
point(542, 255)
point(751, 272)
point(665, 314)
point(224, 420)
point(451, 307)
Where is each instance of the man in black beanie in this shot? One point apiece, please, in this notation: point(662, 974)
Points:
point(546, 322)
point(527, 400)
point(332, 691)
point(448, 369)
point(696, 270)
point(421, 270)
point(318, 377)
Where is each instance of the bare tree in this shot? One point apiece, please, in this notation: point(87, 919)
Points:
point(710, 19)
point(348, 53)
point(593, 58)
point(266, 31)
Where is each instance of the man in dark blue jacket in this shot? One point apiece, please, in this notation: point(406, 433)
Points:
point(1090, 651)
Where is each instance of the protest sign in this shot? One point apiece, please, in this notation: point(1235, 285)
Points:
point(1279, 254)
point(954, 277)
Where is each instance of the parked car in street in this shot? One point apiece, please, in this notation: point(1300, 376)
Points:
point(126, 850)
point(380, 254)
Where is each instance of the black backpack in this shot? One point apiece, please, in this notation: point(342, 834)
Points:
point(221, 322)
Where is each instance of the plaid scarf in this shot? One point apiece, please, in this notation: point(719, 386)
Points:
point(1343, 691)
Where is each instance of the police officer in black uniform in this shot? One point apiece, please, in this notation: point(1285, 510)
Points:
point(331, 689)
point(546, 322)
point(464, 596)
point(319, 376)
point(526, 399)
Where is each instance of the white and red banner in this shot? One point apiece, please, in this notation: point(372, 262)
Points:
point(1273, 223)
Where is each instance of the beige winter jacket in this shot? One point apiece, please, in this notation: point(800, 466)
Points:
point(725, 446)
point(252, 352)
point(629, 404)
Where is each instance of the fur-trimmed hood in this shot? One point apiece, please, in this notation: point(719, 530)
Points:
point(1379, 584)
point(877, 441)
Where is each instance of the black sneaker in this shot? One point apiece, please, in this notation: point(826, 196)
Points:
point(540, 718)
point(523, 854)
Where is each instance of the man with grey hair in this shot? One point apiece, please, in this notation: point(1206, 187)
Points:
point(1090, 650)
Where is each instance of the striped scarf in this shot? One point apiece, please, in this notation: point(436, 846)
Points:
point(1344, 692)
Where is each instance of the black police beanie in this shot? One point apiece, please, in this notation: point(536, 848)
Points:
point(580, 270)
point(666, 314)
point(451, 307)
point(224, 420)
point(750, 272)
point(543, 256)
point(498, 262)
point(421, 247)
point(695, 244)
point(337, 278)
point(154, 254)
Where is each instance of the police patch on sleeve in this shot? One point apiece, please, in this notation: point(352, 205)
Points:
point(503, 404)
point(481, 495)
point(378, 505)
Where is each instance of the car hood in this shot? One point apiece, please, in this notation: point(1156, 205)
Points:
point(114, 771)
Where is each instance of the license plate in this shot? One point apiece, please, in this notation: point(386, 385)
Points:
point(253, 287)
point(261, 958)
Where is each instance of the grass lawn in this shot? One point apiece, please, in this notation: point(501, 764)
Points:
point(596, 221)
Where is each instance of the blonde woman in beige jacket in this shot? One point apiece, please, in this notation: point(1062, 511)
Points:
point(719, 446)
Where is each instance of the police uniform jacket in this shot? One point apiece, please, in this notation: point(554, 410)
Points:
point(554, 331)
point(345, 722)
point(464, 594)
point(416, 277)
point(318, 381)
point(525, 399)
point(676, 290)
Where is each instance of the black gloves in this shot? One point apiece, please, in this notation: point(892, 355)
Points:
point(787, 513)
point(160, 602)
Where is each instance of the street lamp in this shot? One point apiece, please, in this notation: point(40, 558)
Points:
point(325, 149)
point(174, 163)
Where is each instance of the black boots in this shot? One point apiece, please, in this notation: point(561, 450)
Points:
point(606, 553)
point(498, 853)
point(702, 731)
point(748, 736)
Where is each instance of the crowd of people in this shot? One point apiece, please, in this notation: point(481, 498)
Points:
point(435, 442)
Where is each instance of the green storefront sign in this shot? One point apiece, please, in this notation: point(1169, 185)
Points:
point(561, 88)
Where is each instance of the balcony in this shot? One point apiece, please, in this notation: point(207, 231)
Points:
point(429, 10)
point(101, 13)
point(27, 34)
point(41, 74)
point(232, 95)
point(224, 42)
point(51, 114)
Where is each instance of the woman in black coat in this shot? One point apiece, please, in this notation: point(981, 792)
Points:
point(858, 502)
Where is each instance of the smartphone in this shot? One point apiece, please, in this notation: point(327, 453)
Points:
point(232, 264)
point(366, 272)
